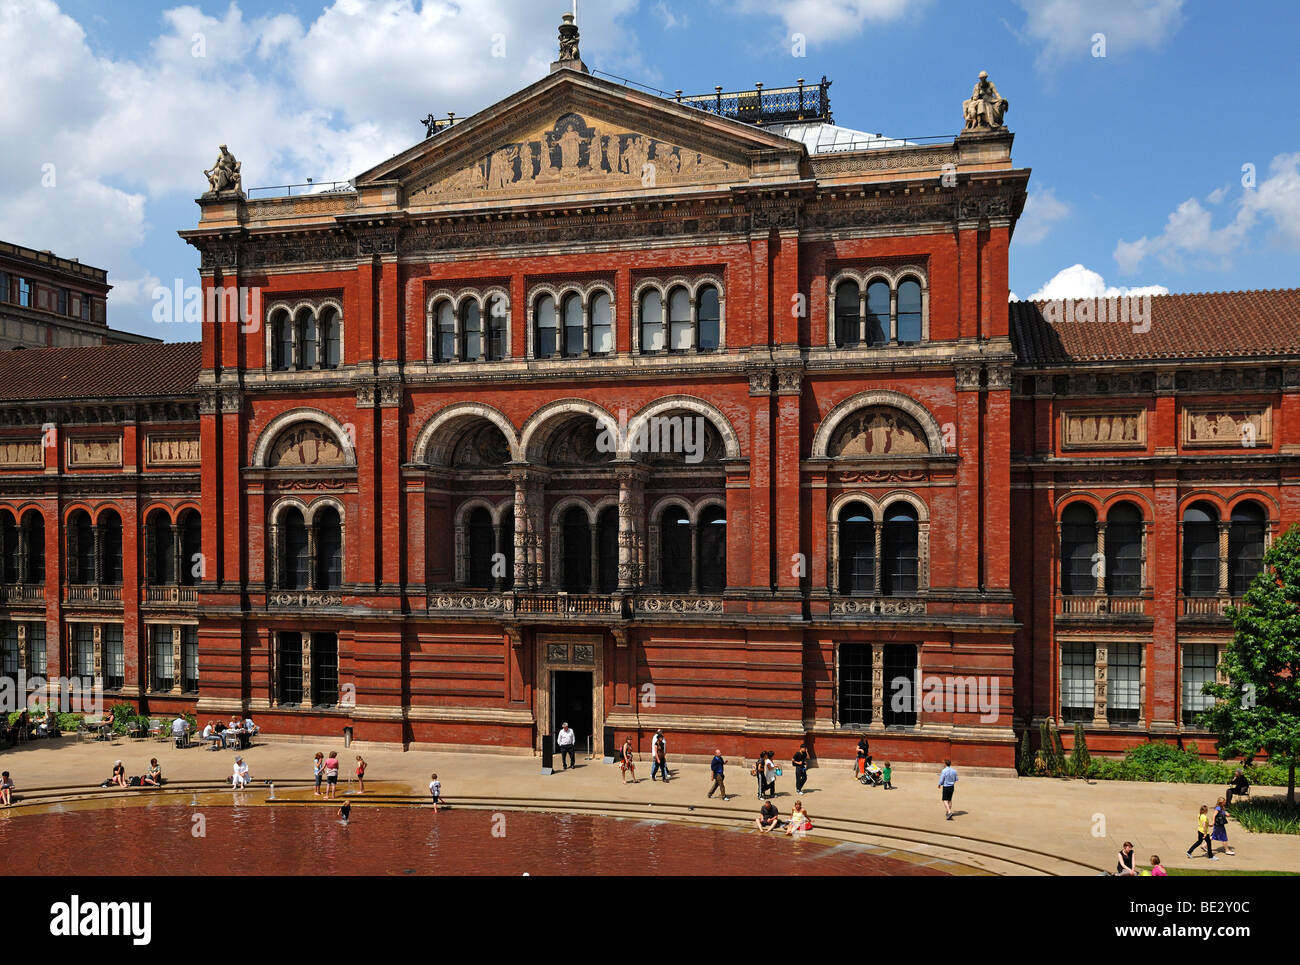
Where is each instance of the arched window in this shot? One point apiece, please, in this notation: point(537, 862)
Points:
point(708, 308)
point(675, 555)
point(1245, 546)
point(847, 297)
point(1078, 549)
point(281, 342)
point(1124, 550)
point(471, 331)
point(900, 542)
point(445, 318)
point(192, 568)
point(712, 555)
point(331, 339)
point(81, 548)
point(602, 324)
point(877, 313)
point(110, 548)
point(481, 544)
point(909, 311)
point(857, 538)
point(33, 527)
point(577, 550)
point(8, 549)
point(160, 550)
point(547, 345)
point(652, 321)
point(572, 325)
point(329, 549)
point(679, 320)
point(1200, 550)
point(497, 308)
point(308, 338)
point(294, 564)
point(607, 547)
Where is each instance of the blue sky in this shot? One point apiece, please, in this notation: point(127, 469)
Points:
point(113, 109)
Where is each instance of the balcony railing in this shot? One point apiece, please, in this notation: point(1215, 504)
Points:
point(568, 604)
point(171, 595)
point(94, 593)
point(1102, 606)
point(23, 593)
point(1208, 608)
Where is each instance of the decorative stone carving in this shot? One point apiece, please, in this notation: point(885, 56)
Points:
point(584, 653)
point(877, 431)
point(968, 377)
point(95, 452)
point(876, 607)
point(21, 453)
point(676, 604)
point(481, 602)
point(306, 445)
point(574, 151)
point(376, 241)
point(1110, 429)
point(569, 54)
point(390, 395)
point(760, 382)
point(774, 216)
point(365, 397)
point(883, 476)
point(789, 381)
point(207, 402)
point(1000, 376)
point(171, 450)
point(482, 446)
point(297, 599)
point(1227, 426)
point(232, 401)
point(985, 108)
point(223, 176)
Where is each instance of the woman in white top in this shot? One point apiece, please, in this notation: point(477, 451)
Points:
point(240, 777)
point(769, 775)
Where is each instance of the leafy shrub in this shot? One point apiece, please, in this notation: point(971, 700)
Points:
point(69, 722)
point(124, 716)
point(1058, 752)
point(1267, 815)
point(1025, 764)
point(1079, 757)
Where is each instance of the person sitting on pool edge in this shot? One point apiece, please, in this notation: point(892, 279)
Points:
point(769, 819)
point(240, 778)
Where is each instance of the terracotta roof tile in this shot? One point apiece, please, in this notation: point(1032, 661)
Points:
point(1201, 325)
point(100, 372)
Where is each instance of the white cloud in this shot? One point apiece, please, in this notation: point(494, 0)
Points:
point(1064, 29)
point(819, 20)
point(670, 19)
point(1042, 210)
point(1080, 282)
point(1190, 233)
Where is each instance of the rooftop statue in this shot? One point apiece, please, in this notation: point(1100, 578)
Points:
point(985, 108)
point(224, 175)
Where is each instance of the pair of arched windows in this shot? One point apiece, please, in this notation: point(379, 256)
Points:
point(589, 554)
point(878, 314)
point(680, 322)
point(878, 556)
point(1203, 574)
point(470, 334)
point(693, 554)
point(22, 548)
point(490, 548)
point(310, 557)
point(172, 550)
point(311, 338)
point(573, 327)
point(1085, 570)
point(95, 550)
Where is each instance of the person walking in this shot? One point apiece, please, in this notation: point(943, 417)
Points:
point(864, 757)
point(769, 773)
point(800, 762)
point(658, 763)
point(565, 740)
point(758, 772)
point(1220, 832)
point(716, 769)
point(1203, 834)
point(947, 783)
point(626, 764)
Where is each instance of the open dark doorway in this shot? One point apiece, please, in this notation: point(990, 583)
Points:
point(571, 702)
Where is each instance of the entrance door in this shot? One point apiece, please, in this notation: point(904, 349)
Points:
point(571, 702)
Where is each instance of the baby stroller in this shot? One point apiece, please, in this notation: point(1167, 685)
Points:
point(872, 775)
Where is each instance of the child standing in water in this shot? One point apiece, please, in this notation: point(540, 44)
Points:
point(435, 791)
point(319, 764)
point(361, 775)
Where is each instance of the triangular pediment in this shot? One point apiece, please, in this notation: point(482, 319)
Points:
point(579, 137)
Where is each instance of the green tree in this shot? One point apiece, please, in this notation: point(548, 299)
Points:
point(1258, 709)
point(1079, 756)
point(1045, 746)
point(1026, 755)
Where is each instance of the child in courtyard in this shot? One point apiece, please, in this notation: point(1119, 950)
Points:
point(435, 791)
point(361, 775)
point(886, 774)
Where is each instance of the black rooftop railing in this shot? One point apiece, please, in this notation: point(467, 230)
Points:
point(803, 102)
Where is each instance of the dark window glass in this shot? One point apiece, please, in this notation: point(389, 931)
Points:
point(9, 650)
point(507, 548)
point(4, 286)
point(471, 331)
point(1201, 550)
point(37, 656)
point(162, 659)
point(847, 307)
point(162, 556)
point(308, 338)
point(675, 556)
point(857, 550)
point(709, 309)
point(9, 548)
point(602, 324)
point(900, 685)
point(110, 539)
point(296, 570)
point(577, 551)
point(190, 659)
point(332, 339)
point(482, 544)
point(1078, 682)
point(34, 524)
point(898, 573)
point(191, 548)
point(547, 327)
point(1078, 547)
point(329, 549)
point(82, 658)
point(1245, 546)
point(713, 550)
point(446, 316)
point(572, 325)
point(855, 684)
point(324, 669)
point(281, 342)
point(909, 311)
point(679, 320)
point(1124, 551)
point(63, 301)
point(81, 548)
point(497, 308)
point(289, 682)
point(877, 313)
point(24, 292)
point(607, 545)
point(652, 321)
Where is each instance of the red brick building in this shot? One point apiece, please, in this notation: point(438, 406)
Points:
point(636, 412)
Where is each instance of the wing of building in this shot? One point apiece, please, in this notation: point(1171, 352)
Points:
point(638, 412)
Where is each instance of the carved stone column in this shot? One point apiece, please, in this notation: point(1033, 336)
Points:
point(631, 513)
point(177, 672)
point(1101, 678)
point(22, 646)
point(99, 651)
point(1224, 526)
point(880, 543)
point(595, 555)
point(877, 686)
point(305, 650)
point(1099, 560)
point(923, 554)
point(833, 563)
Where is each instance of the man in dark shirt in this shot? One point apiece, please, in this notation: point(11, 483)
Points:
point(716, 768)
point(768, 818)
point(800, 762)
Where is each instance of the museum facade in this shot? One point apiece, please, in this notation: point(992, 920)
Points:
point(634, 412)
